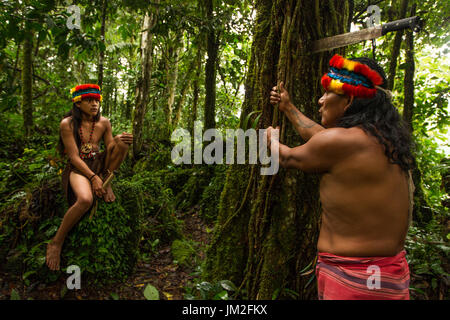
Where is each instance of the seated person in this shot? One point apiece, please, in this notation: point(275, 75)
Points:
point(81, 131)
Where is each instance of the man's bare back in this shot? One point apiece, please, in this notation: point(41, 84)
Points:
point(365, 197)
point(364, 200)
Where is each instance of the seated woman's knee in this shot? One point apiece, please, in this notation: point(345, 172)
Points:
point(85, 201)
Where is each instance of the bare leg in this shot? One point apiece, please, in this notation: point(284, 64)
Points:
point(83, 191)
point(116, 153)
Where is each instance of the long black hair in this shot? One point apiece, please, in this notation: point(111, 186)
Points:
point(75, 123)
point(378, 117)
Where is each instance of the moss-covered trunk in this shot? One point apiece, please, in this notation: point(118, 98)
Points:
point(143, 83)
point(210, 68)
point(267, 226)
point(422, 213)
point(101, 56)
point(27, 80)
point(172, 74)
point(396, 46)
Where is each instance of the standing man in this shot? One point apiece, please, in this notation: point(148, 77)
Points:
point(363, 152)
point(81, 131)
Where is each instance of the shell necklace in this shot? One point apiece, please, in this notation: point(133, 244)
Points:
point(86, 150)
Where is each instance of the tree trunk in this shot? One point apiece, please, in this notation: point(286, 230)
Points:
point(143, 85)
point(422, 213)
point(267, 226)
point(184, 91)
point(210, 69)
point(102, 39)
point(195, 90)
point(396, 47)
point(172, 76)
point(27, 81)
point(408, 105)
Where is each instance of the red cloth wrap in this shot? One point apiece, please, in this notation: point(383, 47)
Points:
point(362, 278)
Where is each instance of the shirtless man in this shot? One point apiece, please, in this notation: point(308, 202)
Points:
point(364, 189)
point(81, 131)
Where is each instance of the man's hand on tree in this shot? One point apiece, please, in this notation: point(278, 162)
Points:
point(282, 98)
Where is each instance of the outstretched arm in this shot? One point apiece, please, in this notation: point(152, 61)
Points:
point(305, 127)
point(319, 154)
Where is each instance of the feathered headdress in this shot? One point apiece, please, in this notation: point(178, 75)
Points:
point(85, 91)
point(351, 78)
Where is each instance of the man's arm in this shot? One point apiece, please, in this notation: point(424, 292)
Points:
point(305, 127)
point(319, 154)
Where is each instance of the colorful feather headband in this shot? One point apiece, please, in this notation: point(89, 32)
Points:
point(351, 78)
point(86, 91)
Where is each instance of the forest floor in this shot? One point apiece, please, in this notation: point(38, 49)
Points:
point(160, 271)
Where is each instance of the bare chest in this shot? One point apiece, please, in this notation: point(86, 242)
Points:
point(91, 134)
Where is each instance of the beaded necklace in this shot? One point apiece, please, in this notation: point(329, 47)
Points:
point(86, 150)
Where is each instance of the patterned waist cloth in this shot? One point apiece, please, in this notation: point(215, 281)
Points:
point(362, 278)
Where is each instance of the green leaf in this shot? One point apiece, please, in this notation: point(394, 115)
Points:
point(41, 260)
point(151, 293)
point(63, 292)
point(255, 123)
point(276, 293)
point(14, 295)
point(228, 285)
point(247, 118)
point(223, 295)
point(27, 274)
point(115, 296)
point(205, 286)
point(51, 231)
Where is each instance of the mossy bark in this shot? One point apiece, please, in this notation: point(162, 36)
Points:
point(267, 226)
point(101, 56)
point(174, 50)
point(27, 81)
point(422, 213)
point(395, 52)
point(210, 69)
point(143, 83)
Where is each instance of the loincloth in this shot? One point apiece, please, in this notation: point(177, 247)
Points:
point(96, 164)
point(362, 278)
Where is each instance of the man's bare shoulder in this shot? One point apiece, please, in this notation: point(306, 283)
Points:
point(342, 138)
